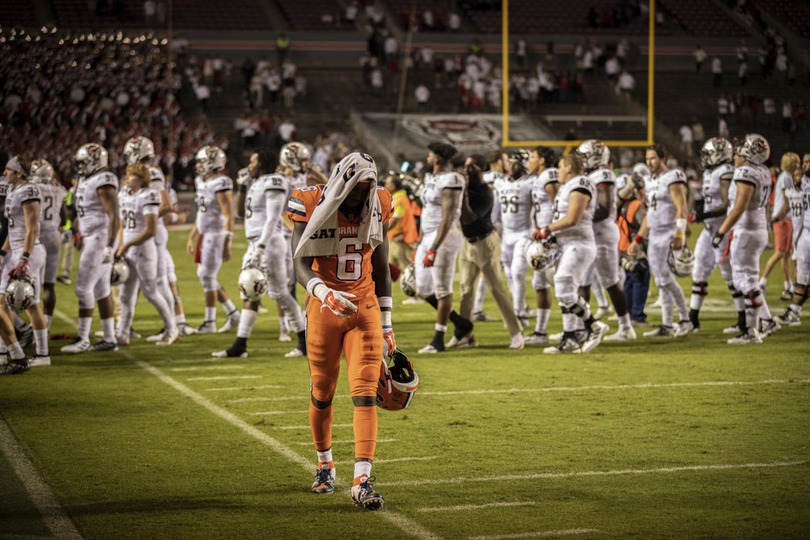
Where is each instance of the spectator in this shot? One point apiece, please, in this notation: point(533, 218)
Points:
point(377, 82)
point(521, 51)
point(288, 95)
point(698, 134)
point(149, 12)
point(286, 131)
point(717, 71)
point(391, 48)
point(787, 115)
point(742, 73)
point(422, 97)
point(351, 12)
point(700, 57)
point(273, 79)
point(454, 21)
point(687, 140)
point(769, 108)
point(722, 128)
point(722, 106)
point(626, 85)
point(282, 47)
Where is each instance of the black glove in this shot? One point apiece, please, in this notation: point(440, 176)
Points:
point(717, 239)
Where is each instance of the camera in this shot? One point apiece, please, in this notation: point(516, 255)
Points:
point(635, 265)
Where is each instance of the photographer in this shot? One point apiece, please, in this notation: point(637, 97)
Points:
point(631, 212)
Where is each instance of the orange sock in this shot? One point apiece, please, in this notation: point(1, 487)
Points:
point(365, 432)
point(320, 421)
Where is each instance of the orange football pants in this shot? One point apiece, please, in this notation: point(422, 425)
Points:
point(360, 339)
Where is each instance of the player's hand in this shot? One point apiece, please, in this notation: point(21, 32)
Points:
point(257, 257)
point(67, 235)
point(338, 303)
point(430, 258)
point(190, 247)
point(78, 241)
point(717, 239)
point(226, 250)
point(389, 343)
point(119, 254)
point(107, 255)
point(632, 249)
point(21, 270)
point(541, 233)
point(677, 243)
point(242, 177)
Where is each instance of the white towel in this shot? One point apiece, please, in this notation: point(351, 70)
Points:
point(351, 170)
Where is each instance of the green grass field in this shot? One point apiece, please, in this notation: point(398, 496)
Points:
point(686, 438)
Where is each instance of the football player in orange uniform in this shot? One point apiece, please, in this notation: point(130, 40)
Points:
point(340, 249)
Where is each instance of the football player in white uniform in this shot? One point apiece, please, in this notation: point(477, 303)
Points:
point(140, 149)
point(95, 206)
point(666, 224)
point(262, 194)
point(544, 191)
point(435, 259)
point(595, 157)
point(52, 216)
point(26, 255)
point(513, 198)
point(214, 224)
point(749, 197)
point(176, 216)
point(798, 196)
point(711, 207)
point(140, 206)
point(572, 229)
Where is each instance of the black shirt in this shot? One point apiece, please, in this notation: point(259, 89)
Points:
point(478, 223)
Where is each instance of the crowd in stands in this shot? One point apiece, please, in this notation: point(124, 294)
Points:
point(60, 91)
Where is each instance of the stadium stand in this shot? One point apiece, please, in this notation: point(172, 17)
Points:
point(315, 15)
point(16, 12)
point(793, 14)
point(701, 18)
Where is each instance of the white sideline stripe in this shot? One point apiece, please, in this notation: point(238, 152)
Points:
point(279, 412)
point(472, 507)
point(341, 441)
point(542, 476)
point(40, 492)
point(561, 389)
point(404, 524)
point(197, 368)
point(170, 361)
point(538, 534)
point(393, 460)
point(307, 426)
point(224, 378)
point(238, 388)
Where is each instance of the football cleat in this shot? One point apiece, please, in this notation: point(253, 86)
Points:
point(78, 345)
point(208, 327)
point(168, 338)
point(684, 328)
point(556, 337)
point(733, 329)
point(523, 320)
point(295, 353)
point(156, 337)
point(788, 318)
point(324, 478)
point(103, 346)
point(601, 312)
point(483, 317)
point(233, 352)
point(661, 331)
point(787, 296)
point(15, 367)
point(746, 338)
point(284, 335)
point(39, 360)
point(64, 280)
point(536, 338)
point(134, 335)
point(186, 330)
point(517, 341)
point(232, 322)
point(596, 333)
point(568, 344)
point(768, 327)
point(364, 495)
point(430, 348)
point(623, 334)
point(122, 340)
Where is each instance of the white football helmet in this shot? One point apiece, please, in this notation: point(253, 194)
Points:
point(120, 272)
point(715, 152)
point(41, 172)
point(520, 156)
point(682, 262)
point(253, 283)
point(594, 154)
point(754, 148)
point(543, 255)
point(397, 383)
point(209, 159)
point(407, 281)
point(20, 293)
point(293, 154)
point(91, 158)
point(137, 149)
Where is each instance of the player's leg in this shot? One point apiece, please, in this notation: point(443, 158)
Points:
point(207, 270)
point(277, 280)
point(148, 269)
point(129, 298)
point(518, 270)
point(541, 286)
point(89, 262)
point(704, 266)
point(745, 250)
point(443, 273)
point(52, 244)
point(103, 297)
point(657, 252)
point(800, 290)
point(36, 268)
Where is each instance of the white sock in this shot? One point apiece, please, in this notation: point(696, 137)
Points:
point(84, 328)
point(763, 281)
point(795, 308)
point(542, 320)
point(15, 351)
point(48, 319)
point(108, 327)
point(181, 319)
point(326, 455)
point(228, 306)
point(246, 323)
point(41, 340)
point(788, 285)
point(210, 314)
point(362, 468)
point(4, 350)
point(624, 321)
point(601, 297)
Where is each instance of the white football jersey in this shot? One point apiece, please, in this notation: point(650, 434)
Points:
point(434, 186)
point(3, 191)
point(256, 202)
point(50, 207)
point(93, 219)
point(753, 218)
point(515, 202)
point(157, 181)
point(798, 198)
point(661, 213)
point(543, 205)
point(605, 176)
point(712, 192)
point(134, 206)
point(293, 182)
point(209, 214)
point(490, 177)
point(584, 229)
point(15, 198)
point(783, 181)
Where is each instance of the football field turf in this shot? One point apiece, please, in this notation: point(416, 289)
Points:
point(650, 438)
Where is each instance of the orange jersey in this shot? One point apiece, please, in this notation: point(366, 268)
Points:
point(350, 270)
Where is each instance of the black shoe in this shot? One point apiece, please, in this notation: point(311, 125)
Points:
point(15, 367)
point(463, 328)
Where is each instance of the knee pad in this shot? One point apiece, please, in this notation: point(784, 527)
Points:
point(734, 292)
point(85, 297)
point(800, 290)
point(580, 308)
point(753, 299)
point(564, 290)
point(700, 288)
point(209, 283)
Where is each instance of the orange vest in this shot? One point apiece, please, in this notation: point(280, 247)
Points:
point(407, 225)
point(625, 222)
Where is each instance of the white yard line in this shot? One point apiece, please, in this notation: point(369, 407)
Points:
point(546, 476)
point(54, 516)
point(198, 368)
point(538, 534)
point(241, 388)
point(308, 427)
point(223, 378)
point(393, 460)
point(473, 507)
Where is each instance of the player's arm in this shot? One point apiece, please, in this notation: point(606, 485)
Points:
point(303, 265)
point(745, 190)
point(635, 245)
point(677, 191)
point(725, 182)
point(165, 203)
point(552, 188)
point(314, 176)
point(604, 201)
point(149, 231)
point(381, 274)
point(225, 199)
point(577, 204)
point(242, 178)
point(109, 201)
point(785, 204)
point(31, 215)
point(450, 200)
point(274, 204)
point(192, 240)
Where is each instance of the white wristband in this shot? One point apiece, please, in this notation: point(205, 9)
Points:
point(680, 225)
point(317, 288)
